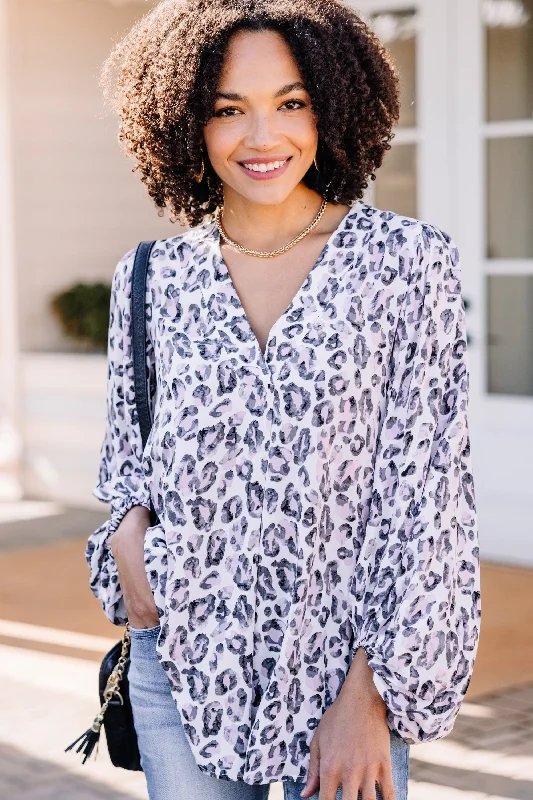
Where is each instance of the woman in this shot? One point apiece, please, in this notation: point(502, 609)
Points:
point(308, 606)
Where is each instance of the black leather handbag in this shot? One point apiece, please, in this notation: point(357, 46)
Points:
point(115, 707)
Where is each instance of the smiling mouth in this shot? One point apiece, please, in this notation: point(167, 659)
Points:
point(264, 167)
point(269, 169)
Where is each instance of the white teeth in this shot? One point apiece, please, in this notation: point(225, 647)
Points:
point(265, 167)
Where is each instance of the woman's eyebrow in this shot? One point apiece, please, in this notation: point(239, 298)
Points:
point(289, 87)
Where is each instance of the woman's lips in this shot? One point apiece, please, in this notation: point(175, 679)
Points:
point(265, 176)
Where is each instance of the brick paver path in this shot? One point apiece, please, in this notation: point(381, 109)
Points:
point(489, 753)
point(25, 778)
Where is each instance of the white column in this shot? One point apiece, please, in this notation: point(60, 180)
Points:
point(10, 423)
point(469, 177)
point(435, 154)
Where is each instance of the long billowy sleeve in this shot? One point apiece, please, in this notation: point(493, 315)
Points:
point(417, 587)
point(121, 481)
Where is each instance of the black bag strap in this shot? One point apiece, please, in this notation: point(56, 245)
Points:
point(138, 333)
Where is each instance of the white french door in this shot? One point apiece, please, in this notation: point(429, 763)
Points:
point(494, 144)
point(462, 159)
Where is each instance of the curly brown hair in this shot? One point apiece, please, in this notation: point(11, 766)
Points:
point(162, 78)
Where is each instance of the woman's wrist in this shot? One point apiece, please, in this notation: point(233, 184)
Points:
point(141, 614)
point(359, 681)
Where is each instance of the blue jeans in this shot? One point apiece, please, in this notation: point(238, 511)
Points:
point(166, 757)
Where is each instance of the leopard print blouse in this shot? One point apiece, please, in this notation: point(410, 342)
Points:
point(313, 499)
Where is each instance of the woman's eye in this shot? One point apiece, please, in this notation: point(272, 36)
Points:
point(232, 111)
point(226, 112)
point(294, 104)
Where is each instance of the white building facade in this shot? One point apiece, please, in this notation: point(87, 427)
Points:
point(462, 158)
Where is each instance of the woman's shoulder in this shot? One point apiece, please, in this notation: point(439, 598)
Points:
point(424, 250)
point(176, 248)
point(415, 231)
point(166, 254)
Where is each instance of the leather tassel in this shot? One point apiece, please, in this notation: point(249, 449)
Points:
point(88, 740)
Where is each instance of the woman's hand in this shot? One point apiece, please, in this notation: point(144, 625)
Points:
point(351, 745)
point(127, 548)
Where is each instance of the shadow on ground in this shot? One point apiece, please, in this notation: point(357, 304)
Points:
point(25, 778)
point(72, 523)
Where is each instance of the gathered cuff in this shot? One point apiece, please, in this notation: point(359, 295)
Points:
point(415, 719)
point(120, 507)
point(104, 581)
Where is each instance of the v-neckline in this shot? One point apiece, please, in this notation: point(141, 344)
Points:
point(225, 273)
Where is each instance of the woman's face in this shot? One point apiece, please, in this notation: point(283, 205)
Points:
point(262, 137)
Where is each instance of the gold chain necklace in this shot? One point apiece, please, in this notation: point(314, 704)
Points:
point(264, 253)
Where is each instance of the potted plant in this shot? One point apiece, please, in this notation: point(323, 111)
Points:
point(83, 311)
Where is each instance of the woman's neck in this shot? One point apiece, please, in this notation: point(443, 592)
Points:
point(266, 227)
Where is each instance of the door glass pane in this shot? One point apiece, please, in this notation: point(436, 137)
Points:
point(510, 197)
point(395, 188)
point(510, 334)
point(397, 30)
point(509, 44)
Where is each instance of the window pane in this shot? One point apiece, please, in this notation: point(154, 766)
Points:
point(510, 334)
point(395, 188)
point(510, 198)
point(509, 38)
point(397, 30)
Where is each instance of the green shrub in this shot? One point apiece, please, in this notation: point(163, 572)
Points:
point(83, 311)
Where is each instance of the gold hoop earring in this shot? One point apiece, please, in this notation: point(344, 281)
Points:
point(199, 176)
point(316, 165)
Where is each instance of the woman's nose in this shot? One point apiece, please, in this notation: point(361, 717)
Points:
point(261, 134)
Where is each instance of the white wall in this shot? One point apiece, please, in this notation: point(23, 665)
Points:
point(63, 411)
point(78, 207)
